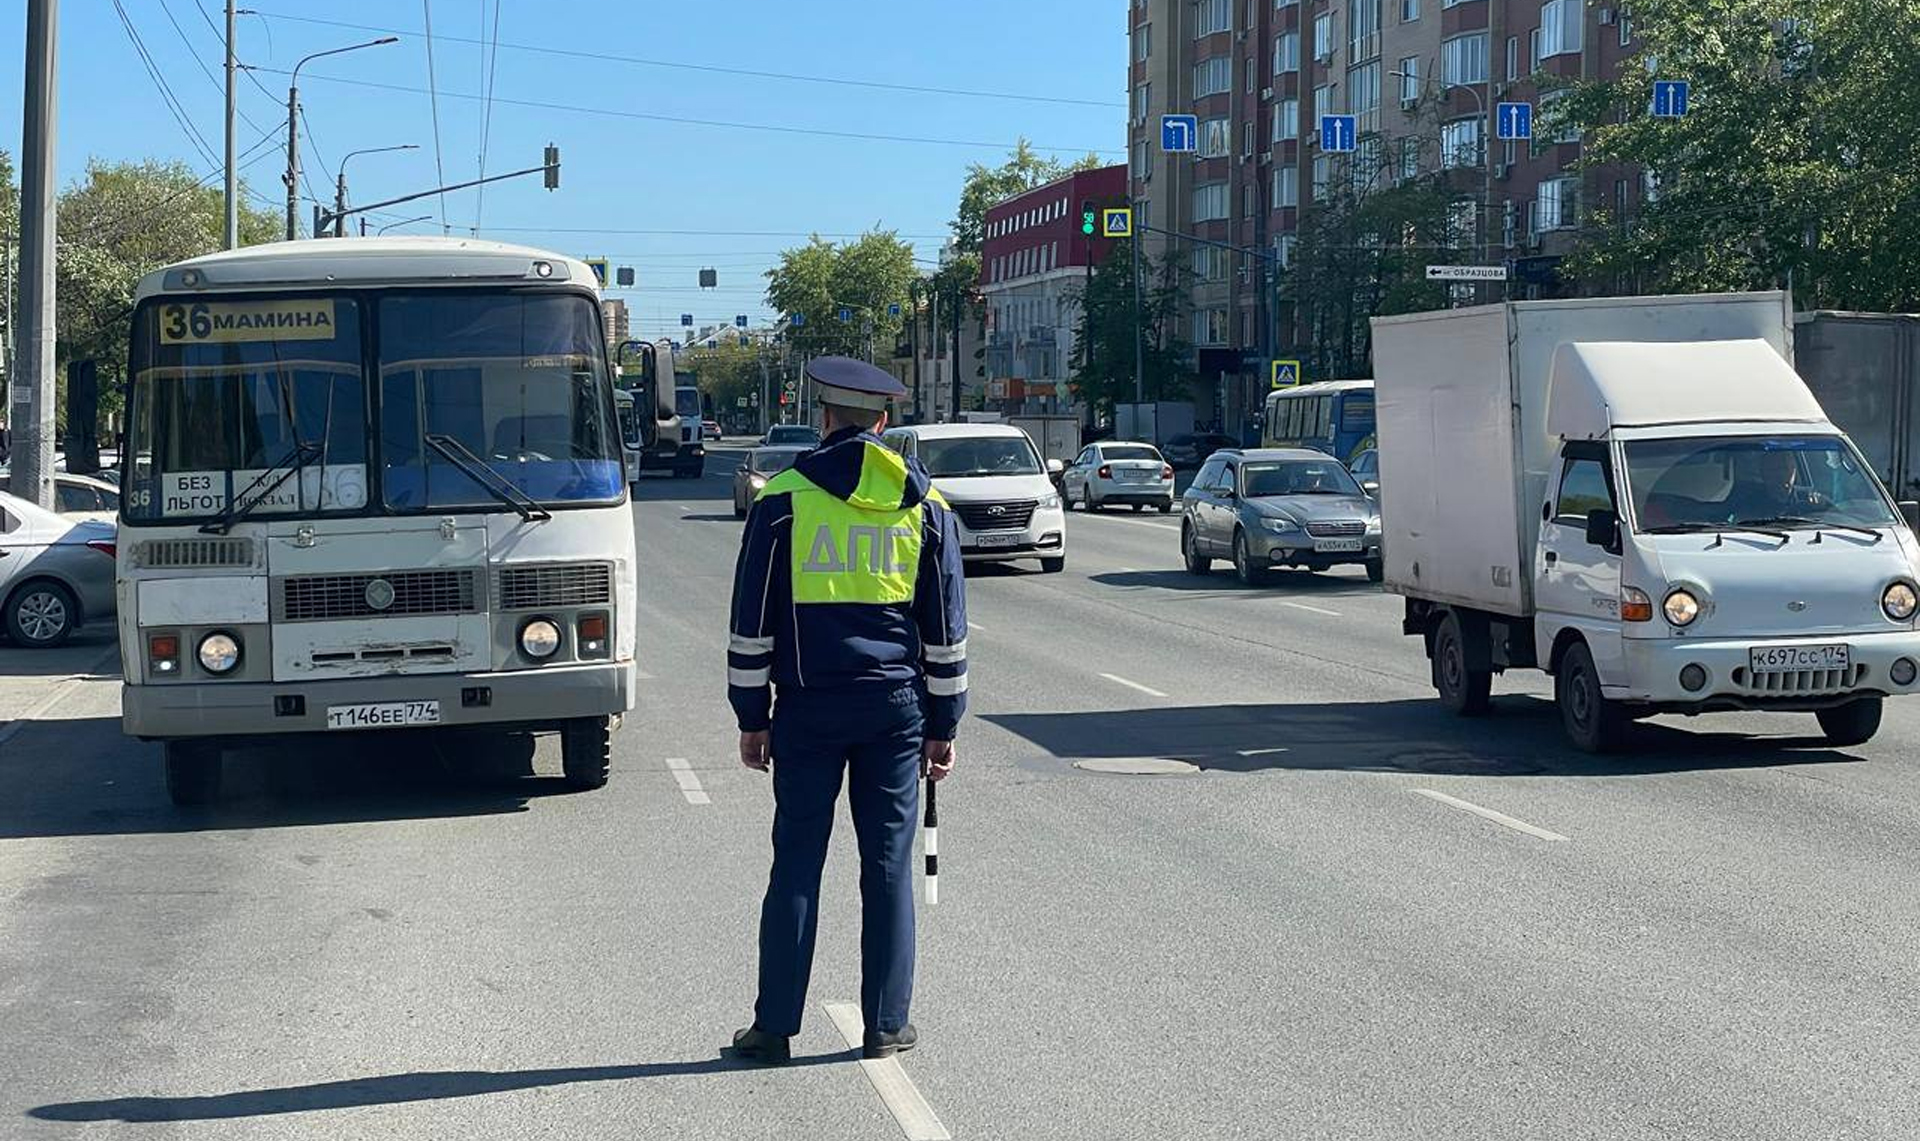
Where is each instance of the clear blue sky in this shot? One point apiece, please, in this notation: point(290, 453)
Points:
point(619, 172)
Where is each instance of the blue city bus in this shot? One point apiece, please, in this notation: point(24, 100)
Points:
point(1334, 416)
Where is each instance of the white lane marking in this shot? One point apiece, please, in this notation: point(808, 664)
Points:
point(1259, 752)
point(1312, 609)
point(1148, 690)
point(1500, 818)
point(62, 689)
point(1154, 523)
point(897, 1091)
point(688, 782)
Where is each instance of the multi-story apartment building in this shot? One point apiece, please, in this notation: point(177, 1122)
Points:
point(1422, 77)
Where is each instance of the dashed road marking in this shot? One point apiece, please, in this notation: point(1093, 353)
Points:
point(1499, 818)
point(897, 1091)
point(1146, 689)
point(1259, 752)
point(689, 783)
point(1312, 609)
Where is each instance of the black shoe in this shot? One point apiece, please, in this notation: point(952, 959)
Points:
point(887, 1043)
point(756, 1045)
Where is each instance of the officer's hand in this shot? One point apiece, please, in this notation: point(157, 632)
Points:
point(936, 760)
point(754, 749)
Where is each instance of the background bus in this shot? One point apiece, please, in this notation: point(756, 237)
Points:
point(1334, 416)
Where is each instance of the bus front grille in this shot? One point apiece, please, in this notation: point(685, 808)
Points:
point(319, 597)
point(554, 585)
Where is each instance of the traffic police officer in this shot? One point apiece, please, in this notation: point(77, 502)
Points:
point(849, 599)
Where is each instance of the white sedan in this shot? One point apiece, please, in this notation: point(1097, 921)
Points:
point(1119, 472)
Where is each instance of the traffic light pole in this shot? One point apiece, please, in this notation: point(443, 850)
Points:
point(551, 168)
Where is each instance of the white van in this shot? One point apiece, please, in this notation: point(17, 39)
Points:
point(1001, 492)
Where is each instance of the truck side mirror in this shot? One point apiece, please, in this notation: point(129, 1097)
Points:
point(1603, 528)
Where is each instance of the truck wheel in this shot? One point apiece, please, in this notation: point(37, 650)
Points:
point(1053, 566)
point(41, 615)
point(1197, 563)
point(193, 772)
point(1854, 723)
point(586, 752)
point(1593, 724)
point(1243, 568)
point(1464, 691)
point(1376, 571)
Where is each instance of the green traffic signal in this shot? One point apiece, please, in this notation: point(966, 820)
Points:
point(1086, 223)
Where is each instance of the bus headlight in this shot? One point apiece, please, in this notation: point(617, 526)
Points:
point(1681, 608)
point(1899, 602)
point(540, 638)
point(219, 652)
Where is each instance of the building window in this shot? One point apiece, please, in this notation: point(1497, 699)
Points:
point(1211, 16)
point(1533, 51)
point(1323, 36)
point(1142, 159)
point(1209, 263)
point(1142, 41)
point(1409, 11)
point(1626, 29)
point(1620, 202)
point(1286, 53)
point(1363, 31)
point(1409, 80)
point(1460, 216)
point(1460, 144)
point(1246, 138)
point(1209, 326)
point(1561, 25)
point(1286, 120)
point(1553, 117)
point(1283, 249)
point(1246, 73)
point(1367, 163)
point(1216, 136)
point(1363, 96)
point(1513, 59)
point(1322, 171)
point(1141, 91)
point(1286, 187)
point(1210, 202)
point(1212, 76)
point(1463, 59)
point(1556, 206)
point(1509, 215)
point(1322, 104)
point(1249, 200)
point(1409, 157)
point(1285, 3)
point(1451, 3)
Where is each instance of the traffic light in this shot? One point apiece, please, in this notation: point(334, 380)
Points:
point(551, 160)
point(1087, 217)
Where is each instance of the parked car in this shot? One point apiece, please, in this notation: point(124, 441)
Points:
point(761, 465)
point(711, 430)
point(1266, 508)
point(86, 497)
point(1366, 471)
point(805, 435)
point(1118, 472)
point(998, 487)
point(1189, 450)
point(55, 573)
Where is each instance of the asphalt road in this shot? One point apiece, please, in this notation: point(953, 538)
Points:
point(1313, 935)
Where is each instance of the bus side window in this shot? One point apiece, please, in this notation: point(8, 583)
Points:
point(1322, 418)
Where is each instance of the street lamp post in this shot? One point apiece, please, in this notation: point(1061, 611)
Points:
point(292, 176)
point(1485, 223)
point(401, 222)
point(340, 184)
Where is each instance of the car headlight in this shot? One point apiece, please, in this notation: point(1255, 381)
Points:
point(539, 638)
point(1279, 526)
point(219, 653)
point(1681, 607)
point(1898, 602)
point(1373, 525)
point(1048, 502)
point(756, 481)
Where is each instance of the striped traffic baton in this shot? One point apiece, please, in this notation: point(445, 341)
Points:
point(932, 824)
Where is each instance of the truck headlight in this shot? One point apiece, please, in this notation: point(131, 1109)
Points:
point(219, 652)
point(1049, 502)
point(1681, 607)
point(1898, 602)
point(539, 638)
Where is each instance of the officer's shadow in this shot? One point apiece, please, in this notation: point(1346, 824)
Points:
point(389, 1089)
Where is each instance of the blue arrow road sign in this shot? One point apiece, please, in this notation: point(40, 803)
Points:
point(1179, 134)
point(846, 314)
point(741, 320)
point(1670, 98)
point(893, 309)
point(1515, 121)
point(797, 320)
point(1338, 133)
point(687, 320)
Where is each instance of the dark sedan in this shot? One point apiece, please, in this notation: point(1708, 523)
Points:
point(1190, 449)
point(1269, 508)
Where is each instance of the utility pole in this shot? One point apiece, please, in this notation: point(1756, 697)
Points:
point(233, 175)
point(957, 302)
point(913, 340)
point(1139, 333)
point(32, 387)
point(292, 176)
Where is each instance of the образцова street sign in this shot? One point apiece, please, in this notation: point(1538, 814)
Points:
point(1466, 273)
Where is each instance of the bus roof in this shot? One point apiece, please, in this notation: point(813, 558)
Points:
point(364, 263)
point(1323, 387)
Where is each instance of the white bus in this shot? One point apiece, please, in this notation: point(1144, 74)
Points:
point(373, 484)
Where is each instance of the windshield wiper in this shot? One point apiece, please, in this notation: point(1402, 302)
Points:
point(1855, 528)
point(490, 481)
point(243, 504)
point(1714, 529)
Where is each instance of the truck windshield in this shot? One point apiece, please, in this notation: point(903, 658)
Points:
point(686, 403)
point(517, 378)
point(225, 391)
point(979, 455)
point(1778, 482)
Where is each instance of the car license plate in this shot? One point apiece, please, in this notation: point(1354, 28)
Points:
point(1336, 546)
point(1128, 475)
point(1010, 539)
point(383, 715)
point(1776, 659)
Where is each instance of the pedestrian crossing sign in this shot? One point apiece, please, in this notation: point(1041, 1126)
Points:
point(1116, 222)
point(1286, 374)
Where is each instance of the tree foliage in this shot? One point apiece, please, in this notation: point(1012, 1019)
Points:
point(729, 371)
point(985, 186)
point(1794, 162)
point(1103, 372)
point(865, 276)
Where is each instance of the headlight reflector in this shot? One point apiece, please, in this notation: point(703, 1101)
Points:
point(1899, 602)
point(539, 638)
point(219, 652)
point(1049, 502)
point(1681, 607)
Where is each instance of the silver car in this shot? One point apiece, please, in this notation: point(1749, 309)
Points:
point(1269, 508)
point(761, 465)
point(55, 573)
point(1116, 471)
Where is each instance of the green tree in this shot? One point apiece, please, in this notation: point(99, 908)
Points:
point(1793, 165)
point(985, 186)
point(1103, 358)
point(864, 277)
point(728, 372)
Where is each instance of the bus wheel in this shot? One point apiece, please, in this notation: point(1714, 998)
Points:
point(193, 772)
point(586, 752)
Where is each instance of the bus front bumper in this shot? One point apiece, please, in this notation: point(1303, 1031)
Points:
point(517, 700)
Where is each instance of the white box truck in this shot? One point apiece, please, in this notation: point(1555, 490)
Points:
point(1640, 497)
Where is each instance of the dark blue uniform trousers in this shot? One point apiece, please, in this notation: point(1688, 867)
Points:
point(874, 735)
